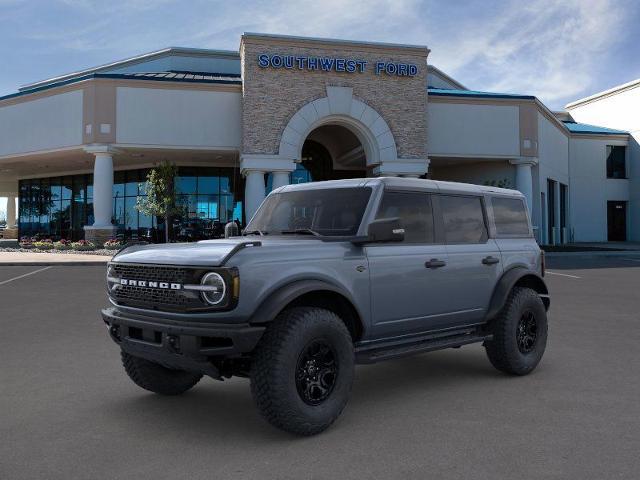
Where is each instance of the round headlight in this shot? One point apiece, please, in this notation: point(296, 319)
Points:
point(214, 288)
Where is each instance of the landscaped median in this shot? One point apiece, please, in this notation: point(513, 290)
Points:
point(36, 251)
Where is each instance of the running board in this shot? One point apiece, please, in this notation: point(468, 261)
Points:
point(378, 353)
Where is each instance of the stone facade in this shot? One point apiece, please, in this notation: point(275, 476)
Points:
point(272, 96)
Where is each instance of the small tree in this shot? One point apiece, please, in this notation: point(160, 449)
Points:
point(161, 195)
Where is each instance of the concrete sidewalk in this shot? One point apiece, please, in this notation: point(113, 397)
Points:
point(36, 259)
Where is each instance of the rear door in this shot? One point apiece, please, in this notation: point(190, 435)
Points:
point(474, 261)
point(407, 279)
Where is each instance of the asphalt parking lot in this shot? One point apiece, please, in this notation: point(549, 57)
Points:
point(68, 411)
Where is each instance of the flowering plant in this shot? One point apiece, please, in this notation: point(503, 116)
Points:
point(26, 242)
point(43, 244)
point(62, 244)
point(113, 243)
point(83, 245)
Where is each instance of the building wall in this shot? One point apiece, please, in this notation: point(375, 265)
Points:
point(473, 129)
point(478, 172)
point(590, 189)
point(46, 123)
point(272, 96)
point(620, 111)
point(189, 118)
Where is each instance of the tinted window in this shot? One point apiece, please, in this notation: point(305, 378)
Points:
point(463, 219)
point(414, 211)
point(327, 211)
point(510, 216)
point(616, 162)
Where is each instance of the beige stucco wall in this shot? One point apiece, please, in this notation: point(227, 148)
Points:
point(272, 96)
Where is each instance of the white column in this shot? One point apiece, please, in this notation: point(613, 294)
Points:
point(11, 211)
point(103, 189)
point(524, 179)
point(253, 192)
point(280, 179)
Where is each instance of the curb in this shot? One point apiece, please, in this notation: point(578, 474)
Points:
point(609, 253)
point(53, 264)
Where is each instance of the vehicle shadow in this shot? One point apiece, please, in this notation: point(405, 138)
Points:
point(220, 411)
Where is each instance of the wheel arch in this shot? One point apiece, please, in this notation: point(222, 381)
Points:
point(516, 277)
point(311, 293)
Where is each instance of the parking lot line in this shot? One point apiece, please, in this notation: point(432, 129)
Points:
point(25, 275)
point(562, 274)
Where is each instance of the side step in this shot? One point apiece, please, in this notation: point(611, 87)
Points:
point(377, 353)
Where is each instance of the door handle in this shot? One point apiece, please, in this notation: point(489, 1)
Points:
point(435, 263)
point(490, 260)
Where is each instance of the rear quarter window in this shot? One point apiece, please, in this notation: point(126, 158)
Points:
point(510, 216)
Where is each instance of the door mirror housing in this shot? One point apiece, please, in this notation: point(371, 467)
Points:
point(384, 230)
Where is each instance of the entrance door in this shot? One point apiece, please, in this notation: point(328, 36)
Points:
point(617, 221)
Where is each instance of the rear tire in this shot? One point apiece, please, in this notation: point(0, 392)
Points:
point(156, 378)
point(302, 370)
point(519, 333)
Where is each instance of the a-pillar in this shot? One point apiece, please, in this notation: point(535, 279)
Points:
point(102, 228)
point(524, 178)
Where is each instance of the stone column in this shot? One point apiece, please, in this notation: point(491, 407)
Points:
point(280, 179)
point(253, 166)
point(524, 179)
point(254, 192)
point(11, 232)
point(102, 228)
point(11, 211)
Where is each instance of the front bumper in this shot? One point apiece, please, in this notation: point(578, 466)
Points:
point(182, 345)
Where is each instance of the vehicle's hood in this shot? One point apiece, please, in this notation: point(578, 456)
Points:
point(210, 253)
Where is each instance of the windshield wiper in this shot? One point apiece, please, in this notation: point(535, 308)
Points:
point(254, 232)
point(301, 231)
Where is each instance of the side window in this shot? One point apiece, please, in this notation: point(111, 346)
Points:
point(463, 219)
point(414, 211)
point(510, 216)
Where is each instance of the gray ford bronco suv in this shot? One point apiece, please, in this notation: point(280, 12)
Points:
point(327, 275)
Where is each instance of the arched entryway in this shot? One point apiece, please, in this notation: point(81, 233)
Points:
point(332, 152)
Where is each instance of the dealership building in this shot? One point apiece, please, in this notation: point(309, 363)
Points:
point(75, 149)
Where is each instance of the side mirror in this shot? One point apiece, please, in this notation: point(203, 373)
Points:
point(384, 230)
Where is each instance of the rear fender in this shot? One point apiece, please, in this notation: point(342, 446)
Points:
point(518, 276)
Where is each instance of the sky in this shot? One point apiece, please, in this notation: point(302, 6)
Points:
point(557, 50)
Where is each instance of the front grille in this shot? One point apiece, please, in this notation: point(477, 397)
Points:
point(157, 298)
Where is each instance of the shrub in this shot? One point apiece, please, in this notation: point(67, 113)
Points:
point(26, 242)
point(62, 245)
point(45, 244)
point(83, 245)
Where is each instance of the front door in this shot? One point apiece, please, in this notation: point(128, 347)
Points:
point(617, 221)
point(408, 291)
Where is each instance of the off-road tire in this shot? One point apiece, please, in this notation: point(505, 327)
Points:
point(156, 378)
point(503, 351)
point(276, 363)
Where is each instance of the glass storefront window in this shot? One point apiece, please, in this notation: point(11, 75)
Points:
point(59, 207)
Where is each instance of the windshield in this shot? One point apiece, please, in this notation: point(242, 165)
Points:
point(325, 212)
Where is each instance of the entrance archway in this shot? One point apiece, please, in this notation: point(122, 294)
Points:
point(333, 152)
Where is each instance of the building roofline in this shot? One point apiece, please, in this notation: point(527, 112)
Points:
point(448, 78)
point(336, 41)
point(445, 92)
point(605, 93)
point(132, 61)
point(120, 76)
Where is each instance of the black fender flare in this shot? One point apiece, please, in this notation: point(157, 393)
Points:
point(506, 283)
point(280, 298)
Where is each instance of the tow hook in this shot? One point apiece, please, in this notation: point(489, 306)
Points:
point(174, 343)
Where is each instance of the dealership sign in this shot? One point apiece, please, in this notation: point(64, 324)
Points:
point(335, 64)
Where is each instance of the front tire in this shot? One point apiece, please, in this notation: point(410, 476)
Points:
point(519, 333)
point(156, 378)
point(302, 370)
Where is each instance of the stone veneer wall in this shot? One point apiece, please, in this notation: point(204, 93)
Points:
point(272, 96)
